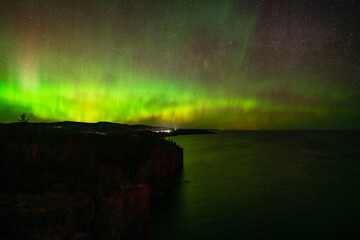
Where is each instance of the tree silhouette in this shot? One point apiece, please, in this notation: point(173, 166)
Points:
point(23, 118)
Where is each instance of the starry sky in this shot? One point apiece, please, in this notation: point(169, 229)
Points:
point(225, 64)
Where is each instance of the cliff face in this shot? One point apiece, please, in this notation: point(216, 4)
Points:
point(81, 186)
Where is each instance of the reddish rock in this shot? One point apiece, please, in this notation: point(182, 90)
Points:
point(78, 186)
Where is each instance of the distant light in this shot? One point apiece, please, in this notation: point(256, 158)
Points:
point(162, 130)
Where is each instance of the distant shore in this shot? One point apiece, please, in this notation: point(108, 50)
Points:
point(106, 128)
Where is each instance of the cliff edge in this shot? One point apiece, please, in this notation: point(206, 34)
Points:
point(76, 185)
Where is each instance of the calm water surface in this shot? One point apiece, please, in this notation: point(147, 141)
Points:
point(262, 185)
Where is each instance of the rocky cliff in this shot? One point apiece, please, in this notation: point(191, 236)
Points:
point(75, 185)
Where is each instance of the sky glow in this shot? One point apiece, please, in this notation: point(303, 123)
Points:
point(198, 64)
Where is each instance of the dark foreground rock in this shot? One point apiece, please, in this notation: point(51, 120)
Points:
point(75, 185)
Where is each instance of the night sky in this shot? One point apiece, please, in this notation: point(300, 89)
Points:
point(182, 63)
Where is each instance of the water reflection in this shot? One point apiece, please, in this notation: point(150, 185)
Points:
point(264, 185)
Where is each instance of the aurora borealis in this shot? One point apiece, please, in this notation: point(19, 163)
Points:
point(201, 64)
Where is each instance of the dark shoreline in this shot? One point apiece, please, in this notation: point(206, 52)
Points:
point(82, 181)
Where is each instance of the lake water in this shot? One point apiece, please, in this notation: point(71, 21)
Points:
point(264, 185)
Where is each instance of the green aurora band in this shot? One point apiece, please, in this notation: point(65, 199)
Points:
point(177, 64)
